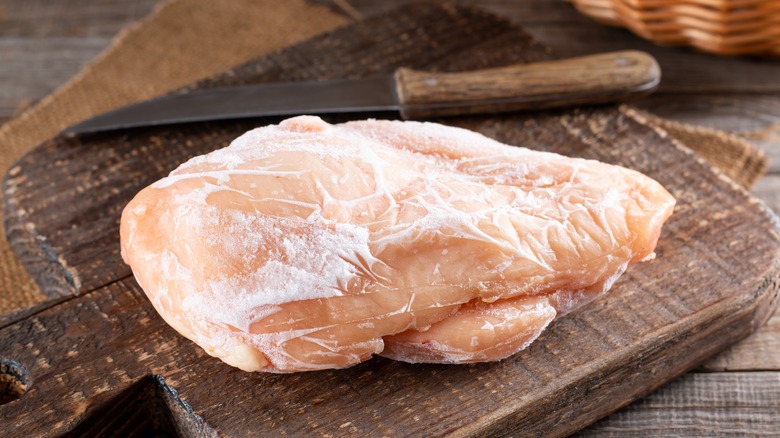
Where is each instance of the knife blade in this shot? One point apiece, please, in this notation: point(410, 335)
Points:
point(593, 79)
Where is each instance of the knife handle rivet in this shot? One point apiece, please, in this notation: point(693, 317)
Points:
point(431, 82)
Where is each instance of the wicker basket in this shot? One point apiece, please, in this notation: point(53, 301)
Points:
point(725, 27)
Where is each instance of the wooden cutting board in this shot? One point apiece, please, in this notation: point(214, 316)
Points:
point(97, 359)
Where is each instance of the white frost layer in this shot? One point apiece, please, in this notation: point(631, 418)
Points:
point(321, 261)
point(317, 264)
point(309, 211)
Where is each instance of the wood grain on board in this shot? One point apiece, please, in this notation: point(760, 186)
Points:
point(712, 283)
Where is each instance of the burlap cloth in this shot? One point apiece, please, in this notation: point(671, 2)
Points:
point(182, 41)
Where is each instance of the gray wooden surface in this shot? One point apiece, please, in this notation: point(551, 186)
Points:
point(737, 393)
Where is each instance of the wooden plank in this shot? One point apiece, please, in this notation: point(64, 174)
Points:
point(8, 108)
point(75, 18)
point(43, 43)
point(654, 325)
point(32, 68)
point(697, 404)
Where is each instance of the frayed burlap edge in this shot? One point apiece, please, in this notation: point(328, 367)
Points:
point(734, 156)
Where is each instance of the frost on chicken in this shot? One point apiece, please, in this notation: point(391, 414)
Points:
point(306, 246)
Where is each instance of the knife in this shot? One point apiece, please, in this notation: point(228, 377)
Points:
point(592, 79)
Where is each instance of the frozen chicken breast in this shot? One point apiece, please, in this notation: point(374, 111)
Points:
point(307, 246)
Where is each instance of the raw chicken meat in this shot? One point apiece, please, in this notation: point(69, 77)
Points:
point(308, 246)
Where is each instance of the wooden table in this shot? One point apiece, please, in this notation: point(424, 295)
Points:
point(43, 43)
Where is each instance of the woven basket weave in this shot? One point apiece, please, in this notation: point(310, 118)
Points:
point(725, 27)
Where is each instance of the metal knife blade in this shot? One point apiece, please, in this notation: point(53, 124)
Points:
point(590, 79)
point(274, 99)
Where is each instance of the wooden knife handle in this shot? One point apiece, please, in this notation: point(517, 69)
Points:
point(602, 78)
